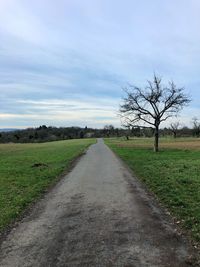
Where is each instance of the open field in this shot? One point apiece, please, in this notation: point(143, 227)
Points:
point(173, 174)
point(28, 169)
point(172, 143)
point(98, 215)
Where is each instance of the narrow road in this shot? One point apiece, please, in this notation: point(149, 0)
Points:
point(98, 215)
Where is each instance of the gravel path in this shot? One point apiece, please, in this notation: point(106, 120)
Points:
point(98, 215)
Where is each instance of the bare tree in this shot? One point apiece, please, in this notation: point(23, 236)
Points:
point(196, 126)
point(152, 105)
point(108, 129)
point(174, 128)
point(127, 132)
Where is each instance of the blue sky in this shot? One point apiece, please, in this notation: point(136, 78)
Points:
point(65, 62)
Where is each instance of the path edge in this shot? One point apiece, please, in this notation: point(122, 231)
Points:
point(29, 208)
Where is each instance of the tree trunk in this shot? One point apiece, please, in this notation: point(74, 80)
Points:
point(174, 134)
point(156, 139)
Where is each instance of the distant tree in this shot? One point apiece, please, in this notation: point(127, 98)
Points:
point(174, 128)
point(152, 105)
point(185, 131)
point(117, 132)
point(108, 129)
point(31, 136)
point(148, 132)
point(127, 132)
point(136, 131)
point(43, 127)
point(16, 136)
point(36, 135)
point(81, 134)
point(196, 126)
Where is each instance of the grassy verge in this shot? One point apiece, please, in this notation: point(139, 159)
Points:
point(173, 175)
point(26, 170)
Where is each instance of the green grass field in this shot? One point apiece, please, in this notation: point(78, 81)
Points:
point(26, 170)
point(173, 174)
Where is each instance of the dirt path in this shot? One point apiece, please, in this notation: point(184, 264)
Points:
point(98, 215)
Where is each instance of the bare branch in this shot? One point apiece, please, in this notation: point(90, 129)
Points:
point(153, 104)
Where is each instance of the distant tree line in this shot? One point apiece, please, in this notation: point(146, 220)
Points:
point(46, 134)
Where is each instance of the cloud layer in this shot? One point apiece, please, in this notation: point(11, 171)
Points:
point(64, 62)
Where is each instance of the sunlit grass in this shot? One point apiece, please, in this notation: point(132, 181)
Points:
point(173, 174)
point(26, 170)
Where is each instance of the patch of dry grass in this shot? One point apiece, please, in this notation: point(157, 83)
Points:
point(178, 143)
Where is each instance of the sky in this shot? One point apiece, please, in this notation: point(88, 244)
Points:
point(65, 62)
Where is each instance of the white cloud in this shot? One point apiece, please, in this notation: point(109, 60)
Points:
point(71, 58)
point(61, 112)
